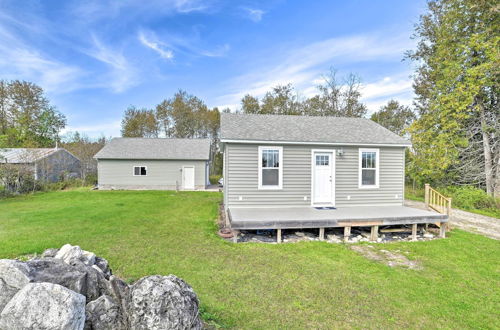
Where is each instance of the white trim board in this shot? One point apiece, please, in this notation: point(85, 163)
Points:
point(377, 168)
point(280, 168)
point(316, 143)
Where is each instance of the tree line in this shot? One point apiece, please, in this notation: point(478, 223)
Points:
point(27, 119)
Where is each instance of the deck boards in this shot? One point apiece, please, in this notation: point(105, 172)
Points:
point(309, 217)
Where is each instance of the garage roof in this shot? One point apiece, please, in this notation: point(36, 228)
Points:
point(159, 148)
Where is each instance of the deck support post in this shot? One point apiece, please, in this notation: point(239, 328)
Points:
point(374, 233)
point(235, 236)
point(414, 228)
point(322, 234)
point(278, 235)
point(347, 233)
point(442, 229)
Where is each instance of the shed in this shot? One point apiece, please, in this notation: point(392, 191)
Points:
point(154, 164)
point(47, 164)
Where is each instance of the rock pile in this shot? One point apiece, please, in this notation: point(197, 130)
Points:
point(71, 288)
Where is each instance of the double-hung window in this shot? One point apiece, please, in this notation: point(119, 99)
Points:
point(368, 168)
point(270, 167)
point(140, 171)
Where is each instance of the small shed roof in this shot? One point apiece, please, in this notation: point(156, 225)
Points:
point(159, 148)
point(299, 129)
point(25, 155)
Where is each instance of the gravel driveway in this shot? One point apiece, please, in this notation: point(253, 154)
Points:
point(475, 223)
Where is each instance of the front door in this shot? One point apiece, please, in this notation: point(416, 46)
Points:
point(188, 177)
point(323, 178)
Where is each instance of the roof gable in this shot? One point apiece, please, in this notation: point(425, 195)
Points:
point(155, 148)
point(306, 129)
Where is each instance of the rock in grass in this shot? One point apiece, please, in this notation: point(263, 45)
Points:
point(68, 252)
point(44, 306)
point(104, 313)
point(163, 302)
point(49, 253)
point(14, 275)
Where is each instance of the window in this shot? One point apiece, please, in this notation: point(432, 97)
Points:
point(322, 160)
point(368, 168)
point(140, 170)
point(270, 167)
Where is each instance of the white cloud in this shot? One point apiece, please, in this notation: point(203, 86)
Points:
point(303, 65)
point(94, 10)
point(156, 46)
point(254, 14)
point(386, 87)
point(18, 60)
point(122, 75)
point(378, 93)
point(186, 44)
point(110, 128)
point(217, 52)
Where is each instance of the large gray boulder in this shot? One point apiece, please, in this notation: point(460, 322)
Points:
point(68, 252)
point(48, 292)
point(103, 314)
point(163, 302)
point(44, 306)
point(75, 276)
point(14, 275)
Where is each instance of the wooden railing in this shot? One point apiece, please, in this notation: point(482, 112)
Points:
point(436, 201)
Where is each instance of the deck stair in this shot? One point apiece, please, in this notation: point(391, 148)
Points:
point(436, 201)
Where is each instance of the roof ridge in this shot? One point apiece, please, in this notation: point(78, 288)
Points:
point(283, 115)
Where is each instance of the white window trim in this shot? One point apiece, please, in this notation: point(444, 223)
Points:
point(133, 170)
point(377, 168)
point(280, 168)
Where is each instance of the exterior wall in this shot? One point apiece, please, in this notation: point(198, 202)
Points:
point(57, 166)
point(241, 177)
point(161, 174)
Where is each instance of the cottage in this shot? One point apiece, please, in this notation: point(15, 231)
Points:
point(154, 164)
point(285, 172)
point(46, 164)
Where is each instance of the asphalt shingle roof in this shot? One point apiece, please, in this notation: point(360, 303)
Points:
point(24, 155)
point(160, 148)
point(283, 128)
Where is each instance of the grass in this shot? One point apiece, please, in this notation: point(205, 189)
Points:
point(296, 286)
point(463, 198)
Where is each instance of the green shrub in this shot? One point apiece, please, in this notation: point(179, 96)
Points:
point(214, 179)
point(91, 179)
point(470, 198)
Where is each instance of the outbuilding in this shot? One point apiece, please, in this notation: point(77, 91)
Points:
point(45, 164)
point(154, 164)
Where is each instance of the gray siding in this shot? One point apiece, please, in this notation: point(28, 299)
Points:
point(161, 174)
point(58, 166)
point(241, 177)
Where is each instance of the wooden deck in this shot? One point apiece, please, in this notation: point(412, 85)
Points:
point(310, 217)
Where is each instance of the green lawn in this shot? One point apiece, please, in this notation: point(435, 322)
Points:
point(302, 285)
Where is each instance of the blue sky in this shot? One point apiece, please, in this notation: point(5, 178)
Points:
point(95, 58)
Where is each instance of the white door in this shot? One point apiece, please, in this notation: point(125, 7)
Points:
point(323, 179)
point(188, 177)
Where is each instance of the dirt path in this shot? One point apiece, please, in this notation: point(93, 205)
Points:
point(475, 223)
